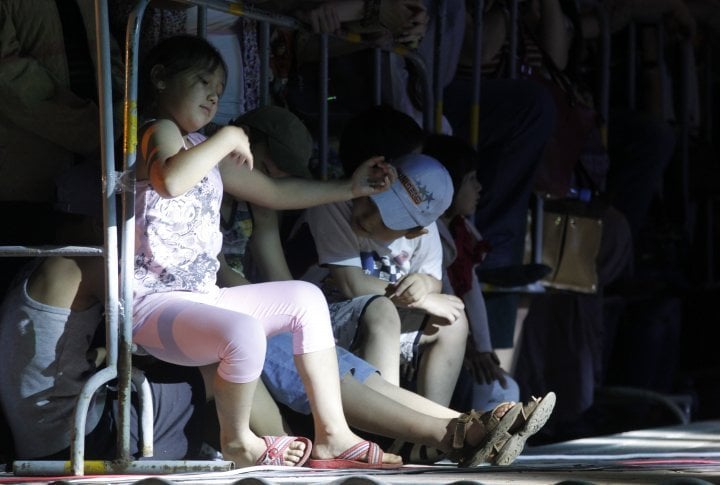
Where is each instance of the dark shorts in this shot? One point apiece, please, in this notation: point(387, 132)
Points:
point(178, 408)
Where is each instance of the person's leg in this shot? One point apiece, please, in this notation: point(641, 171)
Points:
point(265, 416)
point(640, 147)
point(371, 403)
point(379, 338)
point(196, 333)
point(319, 371)
point(303, 311)
point(516, 119)
point(442, 358)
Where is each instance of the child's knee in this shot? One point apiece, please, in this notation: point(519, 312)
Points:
point(242, 354)
point(381, 315)
point(456, 331)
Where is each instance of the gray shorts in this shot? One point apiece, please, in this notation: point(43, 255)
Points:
point(345, 316)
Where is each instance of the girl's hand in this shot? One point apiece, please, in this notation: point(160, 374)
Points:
point(239, 145)
point(372, 176)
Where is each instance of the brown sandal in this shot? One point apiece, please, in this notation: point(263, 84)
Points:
point(496, 435)
point(533, 416)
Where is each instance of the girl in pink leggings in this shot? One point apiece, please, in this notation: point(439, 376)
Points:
point(180, 315)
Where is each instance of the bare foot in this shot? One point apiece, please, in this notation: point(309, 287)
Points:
point(256, 451)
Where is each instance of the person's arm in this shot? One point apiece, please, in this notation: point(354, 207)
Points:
point(296, 193)
point(553, 34)
point(623, 12)
point(353, 281)
point(266, 247)
point(32, 97)
point(173, 170)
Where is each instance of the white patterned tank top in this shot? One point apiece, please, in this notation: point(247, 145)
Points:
point(177, 240)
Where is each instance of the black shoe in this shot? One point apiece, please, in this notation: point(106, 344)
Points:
point(512, 276)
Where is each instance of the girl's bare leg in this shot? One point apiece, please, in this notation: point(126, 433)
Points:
point(238, 443)
point(319, 373)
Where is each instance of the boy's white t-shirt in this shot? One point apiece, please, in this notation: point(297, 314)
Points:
point(337, 244)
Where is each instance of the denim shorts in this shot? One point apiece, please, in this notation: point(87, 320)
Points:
point(281, 377)
point(345, 317)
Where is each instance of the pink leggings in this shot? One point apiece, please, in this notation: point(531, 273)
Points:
point(231, 325)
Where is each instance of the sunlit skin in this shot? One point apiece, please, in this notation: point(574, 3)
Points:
point(191, 98)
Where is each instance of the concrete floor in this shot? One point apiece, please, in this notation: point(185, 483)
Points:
point(683, 454)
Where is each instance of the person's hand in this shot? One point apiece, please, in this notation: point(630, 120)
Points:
point(410, 289)
point(680, 19)
point(706, 13)
point(397, 15)
point(414, 30)
point(239, 145)
point(449, 308)
point(323, 19)
point(484, 367)
point(372, 176)
point(675, 12)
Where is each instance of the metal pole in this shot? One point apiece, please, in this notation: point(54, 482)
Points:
point(128, 234)
point(476, 73)
point(377, 76)
point(323, 142)
point(202, 22)
point(605, 53)
point(512, 62)
point(264, 49)
point(77, 441)
point(632, 66)
point(440, 19)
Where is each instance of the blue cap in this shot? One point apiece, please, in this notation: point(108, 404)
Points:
point(422, 192)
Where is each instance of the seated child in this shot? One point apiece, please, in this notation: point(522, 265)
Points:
point(485, 384)
point(389, 245)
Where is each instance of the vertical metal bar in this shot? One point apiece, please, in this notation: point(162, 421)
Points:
point(709, 98)
point(109, 181)
point(709, 104)
point(537, 228)
point(264, 52)
point(476, 73)
point(202, 21)
point(605, 53)
point(512, 55)
point(142, 387)
point(662, 68)
point(632, 66)
point(323, 78)
point(683, 142)
point(127, 253)
point(440, 19)
point(377, 76)
point(77, 440)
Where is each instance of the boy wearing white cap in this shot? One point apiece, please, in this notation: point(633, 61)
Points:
point(388, 244)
